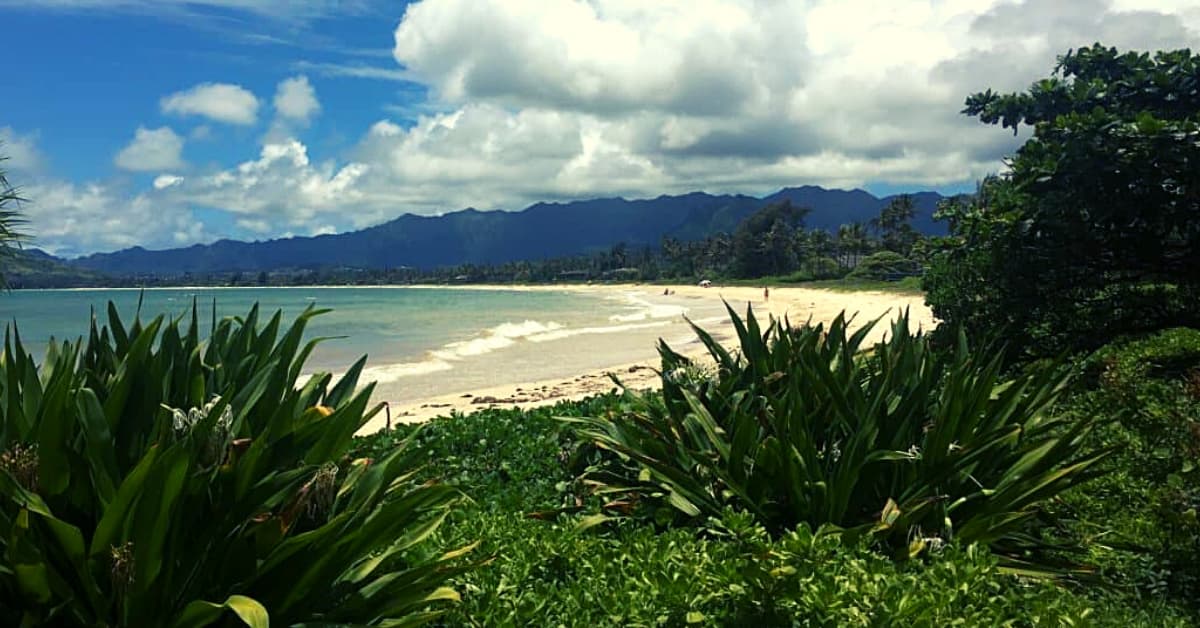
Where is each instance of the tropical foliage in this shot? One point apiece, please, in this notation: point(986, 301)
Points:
point(1150, 500)
point(149, 478)
point(10, 221)
point(883, 265)
point(1095, 230)
point(764, 242)
point(894, 225)
point(910, 446)
point(725, 571)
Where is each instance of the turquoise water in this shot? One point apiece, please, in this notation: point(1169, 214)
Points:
point(390, 325)
point(420, 342)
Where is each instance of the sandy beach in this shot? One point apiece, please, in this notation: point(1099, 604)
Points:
point(637, 369)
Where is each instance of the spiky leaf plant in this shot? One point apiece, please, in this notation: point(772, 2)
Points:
point(151, 478)
point(806, 425)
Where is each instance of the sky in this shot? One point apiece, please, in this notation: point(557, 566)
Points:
point(165, 123)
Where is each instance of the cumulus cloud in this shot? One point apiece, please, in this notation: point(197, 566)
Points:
point(20, 151)
point(71, 219)
point(281, 188)
point(735, 95)
point(152, 150)
point(295, 99)
point(221, 102)
point(166, 180)
point(687, 57)
point(528, 100)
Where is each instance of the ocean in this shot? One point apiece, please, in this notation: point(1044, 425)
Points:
point(420, 342)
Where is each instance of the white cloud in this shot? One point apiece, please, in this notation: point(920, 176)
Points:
point(353, 70)
point(71, 219)
point(705, 57)
point(733, 95)
point(222, 102)
point(281, 188)
point(534, 100)
point(20, 151)
point(296, 100)
point(163, 181)
point(152, 150)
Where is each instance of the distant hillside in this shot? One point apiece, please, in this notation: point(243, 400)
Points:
point(541, 231)
point(35, 268)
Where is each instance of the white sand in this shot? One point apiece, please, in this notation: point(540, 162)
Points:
point(637, 371)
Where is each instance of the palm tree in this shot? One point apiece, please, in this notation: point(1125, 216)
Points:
point(820, 245)
point(844, 245)
point(894, 224)
point(10, 222)
point(860, 240)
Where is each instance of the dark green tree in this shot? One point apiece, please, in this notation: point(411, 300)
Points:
point(818, 248)
point(853, 242)
point(763, 243)
point(1094, 231)
point(894, 225)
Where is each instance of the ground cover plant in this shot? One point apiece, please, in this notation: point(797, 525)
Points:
point(551, 569)
point(148, 477)
point(1148, 504)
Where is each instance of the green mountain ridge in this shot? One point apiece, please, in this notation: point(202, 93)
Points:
point(541, 231)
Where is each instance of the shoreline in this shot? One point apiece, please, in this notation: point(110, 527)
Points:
point(797, 304)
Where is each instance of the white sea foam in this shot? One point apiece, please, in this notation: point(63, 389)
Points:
point(491, 339)
point(503, 336)
point(645, 310)
point(498, 337)
point(581, 331)
point(386, 373)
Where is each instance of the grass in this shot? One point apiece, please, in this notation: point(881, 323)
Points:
point(906, 286)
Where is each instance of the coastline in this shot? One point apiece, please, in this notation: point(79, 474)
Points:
point(637, 371)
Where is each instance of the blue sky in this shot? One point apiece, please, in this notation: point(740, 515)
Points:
point(92, 76)
point(168, 122)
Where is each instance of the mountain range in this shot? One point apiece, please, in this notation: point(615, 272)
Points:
point(540, 231)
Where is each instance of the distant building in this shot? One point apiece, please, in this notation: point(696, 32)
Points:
point(574, 275)
point(625, 274)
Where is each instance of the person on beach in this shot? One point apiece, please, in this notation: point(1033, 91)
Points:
point(766, 293)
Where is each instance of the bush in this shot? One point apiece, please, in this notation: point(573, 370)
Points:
point(884, 265)
point(1094, 230)
point(725, 571)
point(1151, 500)
point(825, 268)
point(151, 479)
point(911, 447)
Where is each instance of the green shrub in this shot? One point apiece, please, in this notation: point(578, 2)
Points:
point(1151, 500)
point(725, 571)
point(883, 265)
point(901, 443)
point(149, 478)
point(825, 268)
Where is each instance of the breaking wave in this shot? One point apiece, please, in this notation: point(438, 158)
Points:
point(645, 310)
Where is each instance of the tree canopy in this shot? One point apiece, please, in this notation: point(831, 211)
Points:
point(1095, 228)
point(764, 243)
point(894, 225)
